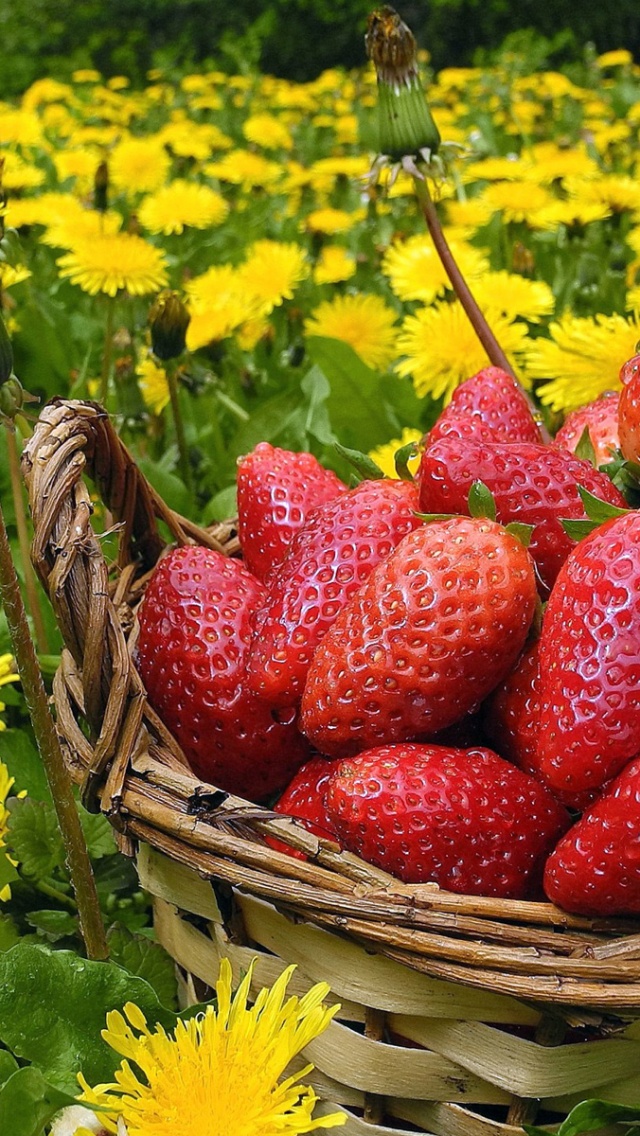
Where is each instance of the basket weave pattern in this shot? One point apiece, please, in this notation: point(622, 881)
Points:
point(459, 1013)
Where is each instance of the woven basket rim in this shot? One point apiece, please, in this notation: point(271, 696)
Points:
point(129, 766)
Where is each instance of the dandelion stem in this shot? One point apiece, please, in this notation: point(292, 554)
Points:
point(183, 453)
point(458, 282)
point(31, 588)
point(107, 351)
point(79, 864)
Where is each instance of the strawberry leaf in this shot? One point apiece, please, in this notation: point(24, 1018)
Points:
point(584, 449)
point(427, 517)
point(402, 457)
point(362, 463)
point(598, 510)
point(521, 531)
point(481, 501)
point(577, 530)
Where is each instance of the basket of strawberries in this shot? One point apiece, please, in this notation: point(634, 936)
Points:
point(388, 733)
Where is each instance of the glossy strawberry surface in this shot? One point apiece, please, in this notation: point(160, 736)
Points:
point(436, 627)
point(464, 819)
point(595, 869)
point(534, 484)
point(305, 798)
point(330, 558)
point(491, 407)
point(277, 489)
point(600, 419)
point(590, 660)
point(629, 416)
point(196, 621)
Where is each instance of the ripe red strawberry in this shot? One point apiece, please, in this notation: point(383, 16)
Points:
point(329, 559)
point(277, 489)
point(436, 627)
point(489, 407)
point(305, 798)
point(600, 418)
point(629, 412)
point(464, 819)
point(590, 661)
point(534, 484)
point(595, 869)
point(195, 626)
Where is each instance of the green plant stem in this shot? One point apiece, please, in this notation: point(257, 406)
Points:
point(31, 588)
point(78, 862)
point(107, 352)
point(183, 453)
point(54, 893)
point(475, 316)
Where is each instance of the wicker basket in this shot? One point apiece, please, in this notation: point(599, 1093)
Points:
point(460, 1016)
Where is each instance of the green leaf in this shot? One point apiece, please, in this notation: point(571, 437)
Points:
point(317, 422)
point(34, 838)
point(18, 752)
point(168, 484)
point(9, 933)
point(53, 1006)
point(521, 531)
point(222, 507)
point(54, 924)
point(577, 530)
point(147, 959)
point(584, 449)
point(8, 1065)
point(481, 501)
point(358, 408)
point(366, 467)
point(598, 510)
point(435, 516)
point(28, 1102)
point(401, 459)
point(589, 1115)
point(98, 834)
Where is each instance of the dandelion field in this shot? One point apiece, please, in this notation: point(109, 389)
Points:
point(319, 314)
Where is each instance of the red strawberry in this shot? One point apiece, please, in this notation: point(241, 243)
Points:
point(330, 558)
point(535, 484)
point(435, 628)
point(277, 489)
point(195, 627)
point(305, 799)
point(590, 661)
point(464, 819)
point(490, 407)
point(600, 418)
point(595, 869)
point(629, 414)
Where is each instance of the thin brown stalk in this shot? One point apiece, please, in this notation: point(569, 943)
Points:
point(31, 588)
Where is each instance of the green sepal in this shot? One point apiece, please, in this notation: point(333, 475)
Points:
point(584, 450)
point(365, 466)
point(402, 457)
point(405, 123)
point(597, 511)
point(481, 501)
point(520, 531)
point(428, 517)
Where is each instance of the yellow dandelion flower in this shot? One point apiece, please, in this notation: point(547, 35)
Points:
point(86, 75)
point(267, 131)
point(80, 164)
point(347, 129)
point(21, 127)
point(384, 456)
point(363, 321)
point(6, 783)
point(12, 274)
point(80, 224)
point(517, 201)
point(441, 348)
point(514, 296)
point(415, 270)
point(570, 212)
point(45, 91)
point(18, 174)
point(334, 265)
point(42, 210)
point(496, 169)
point(219, 303)
point(332, 221)
point(138, 165)
point(181, 205)
point(115, 262)
point(472, 214)
point(220, 1072)
point(194, 140)
point(241, 167)
point(252, 332)
point(619, 192)
point(272, 270)
point(619, 58)
point(551, 162)
point(582, 358)
point(153, 384)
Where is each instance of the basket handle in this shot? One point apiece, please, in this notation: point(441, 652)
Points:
point(71, 440)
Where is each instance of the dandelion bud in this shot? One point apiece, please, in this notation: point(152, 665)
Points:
point(101, 187)
point(168, 320)
point(12, 397)
point(404, 119)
